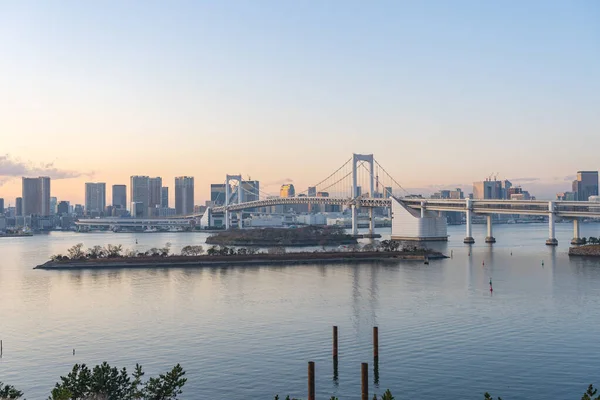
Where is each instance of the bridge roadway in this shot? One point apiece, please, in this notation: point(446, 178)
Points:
point(574, 210)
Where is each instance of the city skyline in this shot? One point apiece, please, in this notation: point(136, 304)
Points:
point(451, 84)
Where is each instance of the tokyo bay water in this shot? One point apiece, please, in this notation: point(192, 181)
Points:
point(248, 332)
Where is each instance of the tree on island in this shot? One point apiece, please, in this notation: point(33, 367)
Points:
point(192, 251)
point(590, 393)
point(76, 252)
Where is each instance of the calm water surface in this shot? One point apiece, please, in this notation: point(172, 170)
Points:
point(249, 332)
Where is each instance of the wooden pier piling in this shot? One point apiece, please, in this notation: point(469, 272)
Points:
point(364, 381)
point(375, 341)
point(311, 380)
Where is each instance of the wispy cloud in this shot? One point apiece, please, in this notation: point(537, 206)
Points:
point(11, 168)
point(524, 180)
point(279, 182)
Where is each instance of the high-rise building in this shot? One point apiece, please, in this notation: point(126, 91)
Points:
point(62, 208)
point(53, 203)
point(119, 196)
point(387, 192)
point(184, 195)
point(312, 191)
point(287, 190)
point(1, 206)
point(487, 190)
point(139, 187)
point(155, 188)
point(217, 194)
point(95, 198)
point(250, 191)
point(36, 196)
point(19, 207)
point(586, 185)
point(164, 197)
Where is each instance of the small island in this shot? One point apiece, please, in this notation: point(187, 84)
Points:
point(288, 237)
point(590, 247)
point(98, 257)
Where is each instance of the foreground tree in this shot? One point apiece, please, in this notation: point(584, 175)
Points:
point(487, 396)
point(9, 392)
point(590, 393)
point(108, 383)
point(76, 252)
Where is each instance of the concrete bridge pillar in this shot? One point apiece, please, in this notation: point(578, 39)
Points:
point(371, 222)
point(423, 206)
point(227, 222)
point(490, 237)
point(354, 220)
point(469, 238)
point(551, 229)
point(576, 238)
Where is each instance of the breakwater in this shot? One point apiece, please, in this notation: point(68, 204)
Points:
point(238, 260)
point(587, 250)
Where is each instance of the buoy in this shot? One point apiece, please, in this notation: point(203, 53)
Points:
point(73, 351)
point(483, 262)
point(511, 253)
point(491, 288)
point(542, 263)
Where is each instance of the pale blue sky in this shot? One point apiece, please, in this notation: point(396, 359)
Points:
point(442, 92)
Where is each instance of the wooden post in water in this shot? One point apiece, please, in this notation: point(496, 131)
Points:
point(335, 342)
point(375, 342)
point(311, 380)
point(364, 381)
point(0, 348)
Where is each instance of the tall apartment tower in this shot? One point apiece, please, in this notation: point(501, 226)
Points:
point(155, 188)
point(164, 197)
point(19, 206)
point(139, 187)
point(36, 196)
point(95, 198)
point(119, 196)
point(184, 195)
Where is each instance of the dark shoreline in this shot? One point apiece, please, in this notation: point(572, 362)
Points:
point(238, 260)
point(588, 250)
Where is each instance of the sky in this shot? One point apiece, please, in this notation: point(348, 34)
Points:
point(443, 93)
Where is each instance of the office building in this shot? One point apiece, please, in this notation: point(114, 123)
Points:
point(586, 185)
point(138, 209)
point(119, 196)
point(164, 197)
point(287, 190)
point(36, 196)
point(95, 198)
point(387, 192)
point(488, 190)
point(53, 204)
point(217, 194)
point(457, 194)
point(312, 191)
point(184, 195)
point(139, 192)
point(567, 196)
point(155, 195)
point(1, 206)
point(250, 191)
point(19, 207)
point(62, 208)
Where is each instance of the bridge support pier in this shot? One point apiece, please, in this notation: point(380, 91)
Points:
point(490, 237)
point(371, 222)
point(576, 238)
point(551, 231)
point(469, 238)
point(354, 220)
point(227, 221)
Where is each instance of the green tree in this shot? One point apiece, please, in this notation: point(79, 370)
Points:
point(487, 396)
point(9, 392)
point(590, 393)
point(108, 383)
point(167, 386)
point(212, 251)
